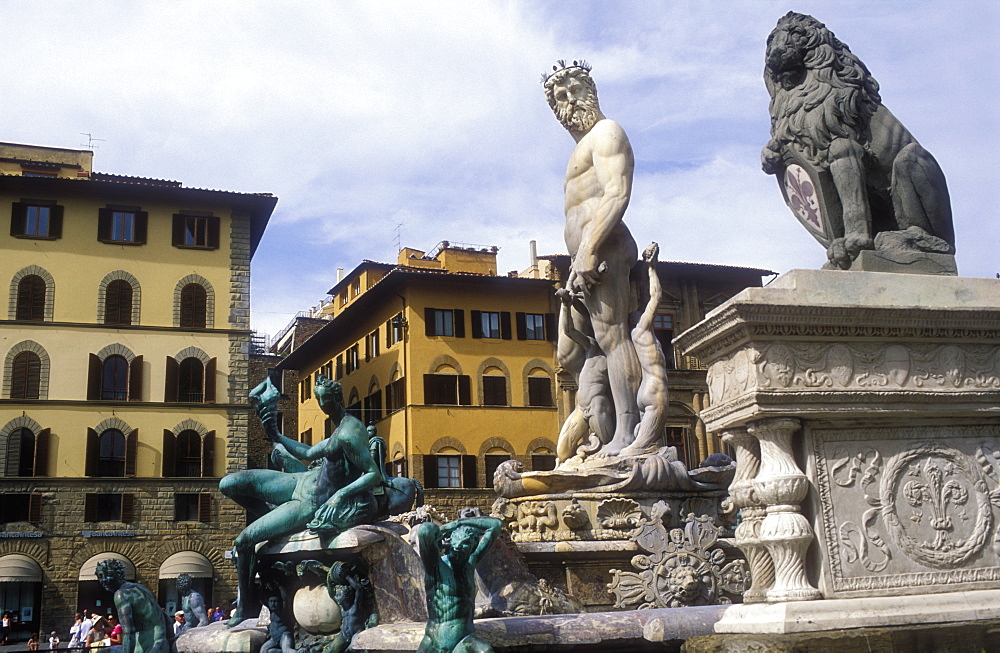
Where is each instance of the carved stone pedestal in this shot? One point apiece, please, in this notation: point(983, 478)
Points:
point(874, 399)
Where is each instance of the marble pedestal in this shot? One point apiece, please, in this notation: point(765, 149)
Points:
point(864, 409)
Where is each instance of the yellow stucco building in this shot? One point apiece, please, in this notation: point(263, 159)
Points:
point(125, 375)
point(456, 367)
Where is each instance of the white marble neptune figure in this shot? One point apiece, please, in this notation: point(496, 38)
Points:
point(598, 188)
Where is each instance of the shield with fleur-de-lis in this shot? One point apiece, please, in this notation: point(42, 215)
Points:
point(810, 194)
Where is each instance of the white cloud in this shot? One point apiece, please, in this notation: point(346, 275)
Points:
point(363, 115)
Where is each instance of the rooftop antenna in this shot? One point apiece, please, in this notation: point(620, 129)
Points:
point(397, 239)
point(90, 141)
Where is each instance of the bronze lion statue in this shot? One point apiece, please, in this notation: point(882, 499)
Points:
point(887, 191)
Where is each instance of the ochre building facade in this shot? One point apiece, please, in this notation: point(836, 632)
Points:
point(455, 365)
point(125, 350)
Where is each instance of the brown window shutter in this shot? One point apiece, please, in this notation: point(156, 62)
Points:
point(55, 221)
point(210, 381)
point(104, 225)
point(213, 232)
point(42, 452)
point(35, 508)
point(430, 471)
point(135, 379)
point(477, 324)
point(469, 478)
point(551, 332)
point(459, 323)
point(464, 390)
point(388, 334)
point(368, 348)
point(94, 379)
point(177, 233)
point(92, 452)
point(17, 219)
point(128, 507)
point(25, 376)
point(205, 507)
point(141, 226)
point(208, 455)
point(90, 507)
point(131, 451)
point(430, 396)
point(522, 327)
point(169, 452)
point(429, 322)
point(170, 386)
point(505, 325)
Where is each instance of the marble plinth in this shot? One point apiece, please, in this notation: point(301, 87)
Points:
point(864, 409)
point(839, 614)
point(216, 637)
point(633, 630)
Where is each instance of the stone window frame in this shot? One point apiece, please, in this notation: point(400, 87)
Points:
point(209, 299)
point(492, 361)
point(43, 372)
point(529, 367)
point(102, 294)
point(16, 424)
point(50, 291)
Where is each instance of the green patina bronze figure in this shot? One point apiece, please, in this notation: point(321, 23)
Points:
point(450, 554)
point(399, 494)
point(192, 603)
point(331, 497)
point(145, 628)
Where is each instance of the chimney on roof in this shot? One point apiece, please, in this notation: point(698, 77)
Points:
point(533, 253)
point(340, 274)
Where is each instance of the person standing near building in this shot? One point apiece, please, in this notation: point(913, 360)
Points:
point(86, 625)
point(5, 628)
point(53, 641)
point(74, 631)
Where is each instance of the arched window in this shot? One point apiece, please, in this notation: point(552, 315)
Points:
point(20, 453)
point(118, 302)
point(111, 453)
point(188, 451)
point(194, 304)
point(31, 298)
point(542, 460)
point(114, 378)
point(25, 376)
point(191, 380)
point(188, 457)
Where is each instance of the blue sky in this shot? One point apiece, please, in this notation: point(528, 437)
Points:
point(361, 116)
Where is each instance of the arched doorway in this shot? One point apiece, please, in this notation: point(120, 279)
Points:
point(195, 565)
point(90, 595)
point(20, 594)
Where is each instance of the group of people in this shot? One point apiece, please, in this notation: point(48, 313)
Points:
point(94, 631)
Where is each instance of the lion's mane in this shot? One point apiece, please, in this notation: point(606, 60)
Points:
point(802, 115)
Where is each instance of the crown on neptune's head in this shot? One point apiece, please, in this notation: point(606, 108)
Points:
point(561, 65)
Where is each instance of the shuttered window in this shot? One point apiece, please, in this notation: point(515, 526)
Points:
point(25, 376)
point(118, 302)
point(30, 298)
point(539, 391)
point(194, 306)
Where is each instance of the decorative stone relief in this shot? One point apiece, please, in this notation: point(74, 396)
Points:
point(865, 366)
point(618, 514)
point(534, 518)
point(682, 566)
point(906, 511)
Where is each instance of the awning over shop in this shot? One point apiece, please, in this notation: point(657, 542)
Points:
point(89, 569)
point(191, 563)
point(17, 568)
